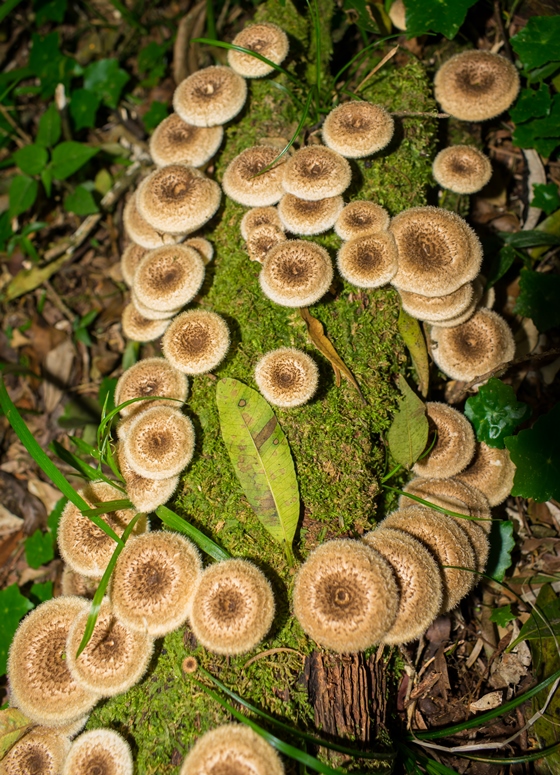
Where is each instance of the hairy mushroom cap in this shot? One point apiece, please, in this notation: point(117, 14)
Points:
point(41, 685)
point(145, 494)
point(152, 314)
point(438, 308)
point(245, 182)
point(262, 239)
point(139, 328)
point(369, 261)
point(75, 727)
point(454, 446)
point(232, 607)
point(150, 377)
point(438, 251)
point(315, 172)
point(418, 578)
point(196, 341)
point(99, 752)
point(473, 348)
point(176, 141)
point(210, 96)
point(153, 582)
point(41, 752)
point(358, 129)
point(266, 39)
point(476, 85)
point(491, 472)
point(140, 231)
point(462, 169)
point(169, 277)
point(130, 259)
point(232, 749)
point(259, 216)
point(287, 377)
point(345, 596)
point(203, 246)
point(397, 14)
point(302, 216)
point(361, 217)
point(296, 273)
point(73, 583)
point(480, 298)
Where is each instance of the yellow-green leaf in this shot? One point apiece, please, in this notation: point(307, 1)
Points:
point(409, 329)
point(13, 725)
point(408, 434)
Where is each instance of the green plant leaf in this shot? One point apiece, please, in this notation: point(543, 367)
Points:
point(539, 298)
point(536, 454)
point(48, 63)
point(361, 15)
point(46, 179)
point(13, 725)
point(541, 133)
point(409, 329)
point(261, 457)
point(83, 108)
point(42, 591)
point(500, 264)
point(50, 127)
point(49, 11)
point(31, 159)
point(39, 549)
point(544, 622)
point(408, 434)
point(546, 197)
point(106, 79)
point(155, 115)
point(22, 194)
point(13, 607)
point(529, 239)
point(175, 522)
point(531, 103)
point(436, 15)
point(495, 412)
point(502, 616)
point(68, 157)
point(538, 42)
point(502, 543)
point(81, 202)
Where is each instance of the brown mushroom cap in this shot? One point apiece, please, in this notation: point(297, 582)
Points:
point(301, 216)
point(232, 749)
point(245, 182)
point(259, 216)
point(480, 298)
point(438, 251)
point(150, 377)
point(41, 752)
point(139, 328)
point(476, 85)
point(369, 261)
point(358, 129)
point(438, 308)
point(462, 169)
point(196, 342)
point(296, 273)
point(145, 494)
point(73, 583)
point(361, 217)
point(140, 231)
point(454, 447)
point(169, 277)
point(177, 199)
point(159, 442)
point(151, 314)
point(210, 96)
point(287, 377)
point(130, 259)
point(265, 39)
point(315, 172)
point(491, 472)
point(99, 752)
point(202, 246)
point(262, 239)
point(176, 141)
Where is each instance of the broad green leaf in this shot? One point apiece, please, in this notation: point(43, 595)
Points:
point(436, 15)
point(42, 591)
point(536, 454)
point(360, 14)
point(49, 11)
point(409, 329)
point(22, 194)
point(68, 157)
point(499, 264)
point(31, 159)
point(13, 725)
point(155, 115)
point(39, 549)
point(539, 298)
point(49, 127)
point(502, 616)
point(48, 63)
point(54, 517)
point(538, 42)
point(528, 239)
point(83, 108)
point(495, 412)
point(531, 103)
point(13, 607)
point(541, 133)
point(6, 230)
point(546, 197)
point(502, 543)
point(46, 180)
point(106, 79)
point(81, 202)
point(261, 458)
point(408, 434)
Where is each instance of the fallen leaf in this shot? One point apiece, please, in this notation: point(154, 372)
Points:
point(489, 701)
point(13, 725)
point(57, 369)
point(408, 434)
point(47, 494)
point(409, 329)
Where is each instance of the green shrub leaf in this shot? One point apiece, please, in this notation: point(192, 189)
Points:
point(43, 591)
point(538, 42)
point(81, 202)
point(31, 159)
point(106, 79)
point(68, 157)
point(13, 607)
point(39, 549)
point(536, 454)
point(531, 103)
point(502, 543)
point(155, 115)
point(408, 434)
point(83, 108)
point(50, 127)
point(495, 412)
point(539, 298)
point(49, 11)
point(546, 197)
point(502, 616)
point(436, 15)
point(22, 194)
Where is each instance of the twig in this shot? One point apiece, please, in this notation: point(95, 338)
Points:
point(505, 367)
point(417, 114)
point(377, 67)
point(23, 136)
point(185, 53)
point(501, 27)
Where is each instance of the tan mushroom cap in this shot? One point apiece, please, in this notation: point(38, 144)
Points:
point(41, 685)
point(296, 273)
point(101, 751)
point(196, 342)
point(476, 85)
point(315, 172)
point(397, 14)
point(491, 472)
point(73, 583)
point(438, 251)
point(418, 578)
point(358, 129)
point(232, 749)
point(473, 348)
point(150, 377)
point(178, 199)
point(154, 580)
point(287, 377)
point(264, 38)
point(176, 141)
point(462, 169)
point(454, 446)
point(41, 752)
point(301, 216)
point(480, 298)
point(140, 329)
point(140, 231)
point(151, 314)
point(245, 182)
point(369, 261)
point(438, 308)
point(259, 216)
point(202, 246)
point(262, 239)
point(361, 217)
point(159, 442)
point(145, 494)
point(345, 596)
point(130, 259)
point(210, 96)
point(169, 277)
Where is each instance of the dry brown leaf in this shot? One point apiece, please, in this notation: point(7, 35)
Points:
point(185, 53)
point(58, 367)
point(47, 494)
point(489, 701)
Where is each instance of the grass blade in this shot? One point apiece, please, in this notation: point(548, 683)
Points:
point(232, 47)
point(175, 522)
point(529, 756)
point(435, 507)
point(108, 507)
point(90, 473)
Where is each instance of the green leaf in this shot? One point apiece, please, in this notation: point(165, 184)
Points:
point(42, 591)
point(49, 64)
point(538, 42)
point(49, 127)
point(13, 725)
point(361, 13)
point(39, 549)
point(536, 454)
point(541, 133)
point(106, 79)
point(54, 517)
point(495, 412)
point(261, 457)
point(502, 543)
point(6, 230)
point(68, 157)
point(31, 159)
point(436, 15)
point(49, 11)
point(13, 607)
point(500, 264)
point(528, 239)
point(546, 197)
point(83, 108)
point(46, 179)
point(502, 616)
point(409, 329)
point(81, 202)
point(544, 622)
point(539, 298)
point(408, 434)
point(155, 115)
point(531, 103)
point(22, 194)
point(177, 523)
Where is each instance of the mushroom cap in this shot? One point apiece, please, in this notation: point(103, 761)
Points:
point(397, 14)
point(101, 751)
point(150, 377)
point(75, 727)
point(438, 308)
point(246, 183)
point(345, 596)
point(315, 172)
point(287, 377)
point(232, 608)
point(358, 129)
point(130, 259)
point(232, 748)
point(73, 583)
point(473, 348)
point(40, 752)
point(262, 239)
point(153, 582)
point(369, 261)
point(159, 442)
point(151, 314)
point(418, 578)
point(140, 231)
point(438, 251)
point(169, 277)
point(303, 216)
point(447, 543)
point(176, 141)
point(202, 246)
point(210, 96)
point(263, 38)
point(41, 685)
point(455, 443)
point(476, 85)
point(139, 328)
point(491, 472)
point(462, 169)
point(361, 217)
point(259, 216)
point(296, 273)
point(145, 494)
point(196, 342)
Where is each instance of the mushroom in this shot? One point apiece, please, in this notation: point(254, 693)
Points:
point(462, 169)
point(196, 342)
point(232, 749)
point(145, 494)
point(491, 472)
point(73, 583)
point(454, 446)
point(438, 308)
point(302, 216)
point(152, 314)
point(41, 752)
point(397, 14)
point(99, 752)
point(481, 297)
point(262, 239)
point(232, 607)
point(259, 216)
point(296, 273)
point(150, 377)
point(369, 261)
point(140, 231)
point(358, 129)
point(168, 278)
point(140, 329)
point(287, 377)
point(176, 141)
point(476, 85)
point(202, 246)
point(315, 172)
point(361, 217)
point(265, 39)
point(130, 259)
point(245, 182)
point(210, 96)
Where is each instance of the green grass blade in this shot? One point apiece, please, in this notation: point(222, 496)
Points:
point(530, 756)
point(90, 473)
point(294, 136)
point(108, 507)
point(232, 47)
point(175, 522)
point(435, 507)
point(84, 447)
